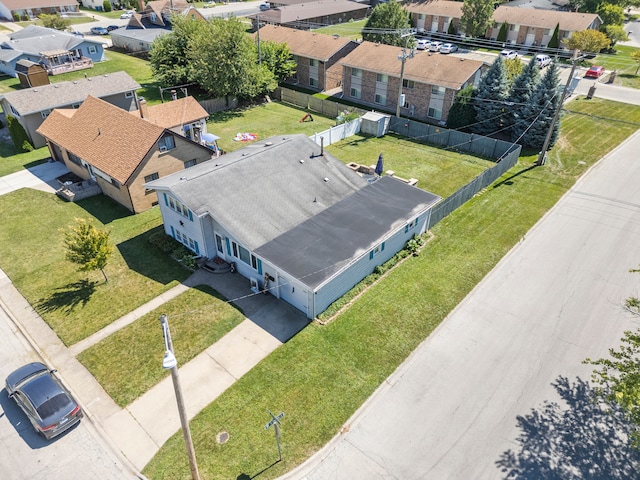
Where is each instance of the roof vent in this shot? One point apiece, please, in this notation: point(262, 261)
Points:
point(302, 160)
point(326, 179)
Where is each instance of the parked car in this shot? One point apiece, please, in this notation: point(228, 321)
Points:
point(111, 28)
point(99, 31)
point(508, 54)
point(45, 401)
point(543, 60)
point(594, 72)
point(264, 7)
point(209, 5)
point(448, 48)
point(127, 14)
point(435, 46)
point(423, 44)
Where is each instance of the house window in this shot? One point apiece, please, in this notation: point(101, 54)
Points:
point(167, 143)
point(92, 49)
point(45, 113)
point(14, 111)
point(434, 113)
point(128, 94)
point(254, 262)
point(547, 31)
point(380, 99)
point(74, 158)
point(178, 207)
point(115, 183)
point(151, 178)
point(382, 78)
point(421, 16)
point(436, 90)
point(408, 83)
point(219, 243)
point(355, 92)
point(186, 241)
point(356, 72)
point(313, 82)
point(313, 62)
point(189, 163)
point(376, 251)
point(410, 225)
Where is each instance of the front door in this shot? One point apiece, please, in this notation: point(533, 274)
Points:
point(219, 246)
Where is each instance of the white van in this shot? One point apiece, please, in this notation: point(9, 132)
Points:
point(543, 60)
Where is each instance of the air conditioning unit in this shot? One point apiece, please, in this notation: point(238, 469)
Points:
point(163, 148)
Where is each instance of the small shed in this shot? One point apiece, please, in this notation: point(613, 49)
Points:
point(374, 123)
point(31, 74)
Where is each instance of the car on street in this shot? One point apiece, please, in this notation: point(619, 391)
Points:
point(209, 5)
point(44, 400)
point(435, 46)
point(448, 48)
point(99, 31)
point(264, 7)
point(111, 28)
point(594, 72)
point(509, 54)
point(543, 60)
point(127, 14)
point(423, 44)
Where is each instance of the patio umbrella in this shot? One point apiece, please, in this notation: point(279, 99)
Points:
point(379, 168)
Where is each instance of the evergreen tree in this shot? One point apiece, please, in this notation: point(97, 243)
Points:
point(489, 99)
point(462, 114)
point(390, 16)
point(519, 95)
point(502, 34)
point(541, 109)
point(18, 135)
point(452, 29)
point(553, 41)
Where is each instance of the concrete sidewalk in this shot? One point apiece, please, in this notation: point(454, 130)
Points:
point(41, 177)
point(140, 429)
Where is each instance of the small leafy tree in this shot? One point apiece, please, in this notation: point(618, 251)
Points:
point(106, 5)
point(636, 56)
point(54, 21)
point(88, 247)
point(384, 24)
point(489, 100)
point(462, 114)
point(502, 34)
point(476, 17)
point(554, 41)
point(18, 135)
point(588, 41)
point(616, 34)
point(278, 59)
point(611, 14)
point(513, 68)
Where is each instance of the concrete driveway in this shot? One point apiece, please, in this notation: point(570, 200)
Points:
point(451, 410)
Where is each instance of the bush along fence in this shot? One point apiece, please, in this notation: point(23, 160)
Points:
point(505, 154)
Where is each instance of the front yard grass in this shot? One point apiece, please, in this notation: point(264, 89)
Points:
point(11, 161)
point(127, 362)
point(623, 64)
point(77, 304)
point(321, 376)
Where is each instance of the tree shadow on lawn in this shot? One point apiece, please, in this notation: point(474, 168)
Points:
point(104, 208)
point(586, 439)
point(67, 298)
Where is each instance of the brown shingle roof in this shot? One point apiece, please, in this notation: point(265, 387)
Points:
point(444, 8)
point(304, 11)
point(303, 43)
point(435, 69)
point(569, 21)
point(174, 113)
point(105, 136)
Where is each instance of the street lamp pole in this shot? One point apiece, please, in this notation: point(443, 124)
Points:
point(403, 58)
point(169, 362)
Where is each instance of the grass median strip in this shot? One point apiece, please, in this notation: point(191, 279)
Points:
point(129, 362)
point(321, 376)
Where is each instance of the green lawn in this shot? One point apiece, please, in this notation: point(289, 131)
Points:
point(111, 14)
point(622, 62)
point(11, 161)
point(321, 376)
point(73, 303)
point(352, 30)
point(127, 362)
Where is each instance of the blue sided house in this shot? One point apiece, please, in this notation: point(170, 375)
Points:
point(293, 219)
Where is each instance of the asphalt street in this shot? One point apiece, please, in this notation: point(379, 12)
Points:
point(451, 410)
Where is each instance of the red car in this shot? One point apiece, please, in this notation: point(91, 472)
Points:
point(594, 72)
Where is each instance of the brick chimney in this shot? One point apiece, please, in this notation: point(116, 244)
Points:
point(140, 6)
point(142, 108)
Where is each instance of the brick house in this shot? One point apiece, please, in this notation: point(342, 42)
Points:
point(310, 15)
point(371, 76)
point(184, 116)
point(29, 9)
point(317, 55)
point(118, 151)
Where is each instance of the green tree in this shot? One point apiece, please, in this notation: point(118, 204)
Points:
point(452, 28)
point(588, 41)
point(168, 55)
point(611, 14)
point(541, 108)
point(87, 246)
point(223, 61)
point(616, 34)
point(502, 34)
point(54, 21)
point(513, 68)
point(278, 59)
point(476, 17)
point(489, 100)
point(18, 135)
point(462, 114)
point(520, 94)
point(554, 42)
point(385, 23)
point(106, 5)
point(636, 56)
